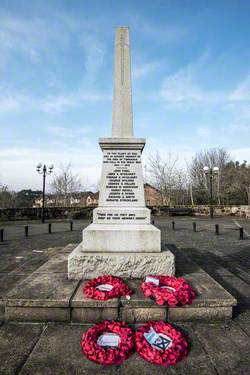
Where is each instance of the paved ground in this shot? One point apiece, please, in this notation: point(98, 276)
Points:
point(54, 348)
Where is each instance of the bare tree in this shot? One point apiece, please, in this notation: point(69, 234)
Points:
point(164, 175)
point(218, 157)
point(189, 182)
point(65, 184)
point(244, 176)
point(181, 186)
point(7, 197)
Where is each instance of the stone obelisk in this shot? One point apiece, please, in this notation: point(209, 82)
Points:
point(121, 239)
point(122, 119)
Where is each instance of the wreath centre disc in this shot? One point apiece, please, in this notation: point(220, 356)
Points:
point(108, 339)
point(159, 341)
point(105, 287)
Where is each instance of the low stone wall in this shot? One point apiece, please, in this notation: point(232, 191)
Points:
point(241, 210)
point(51, 213)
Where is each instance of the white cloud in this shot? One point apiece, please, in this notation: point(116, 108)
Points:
point(38, 37)
point(18, 165)
point(94, 53)
point(140, 70)
point(60, 103)
point(179, 87)
point(19, 102)
point(241, 154)
point(182, 152)
point(10, 103)
point(203, 131)
point(69, 132)
point(182, 87)
point(162, 34)
point(29, 36)
point(242, 91)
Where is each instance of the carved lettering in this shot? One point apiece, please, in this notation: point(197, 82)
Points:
point(121, 183)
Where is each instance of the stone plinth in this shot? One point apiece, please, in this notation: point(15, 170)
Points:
point(47, 294)
point(121, 238)
point(84, 265)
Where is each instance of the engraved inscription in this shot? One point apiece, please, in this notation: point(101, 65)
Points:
point(122, 181)
point(119, 217)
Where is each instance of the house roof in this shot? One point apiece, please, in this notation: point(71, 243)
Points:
point(152, 187)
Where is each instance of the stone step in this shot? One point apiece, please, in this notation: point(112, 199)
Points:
point(47, 295)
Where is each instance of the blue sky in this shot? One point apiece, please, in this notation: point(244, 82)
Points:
point(190, 71)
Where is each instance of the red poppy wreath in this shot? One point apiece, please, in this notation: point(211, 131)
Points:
point(106, 287)
point(160, 343)
point(169, 289)
point(108, 343)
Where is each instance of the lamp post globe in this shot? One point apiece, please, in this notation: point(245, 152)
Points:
point(206, 169)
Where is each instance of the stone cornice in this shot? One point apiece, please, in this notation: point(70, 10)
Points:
point(122, 143)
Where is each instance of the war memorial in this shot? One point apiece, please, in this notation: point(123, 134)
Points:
point(120, 241)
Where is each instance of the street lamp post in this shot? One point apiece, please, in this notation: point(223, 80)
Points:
point(211, 172)
point(44, 170)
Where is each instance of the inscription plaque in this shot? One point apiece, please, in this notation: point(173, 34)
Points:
point(121, 179)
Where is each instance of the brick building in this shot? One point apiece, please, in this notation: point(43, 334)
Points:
point(153, 196)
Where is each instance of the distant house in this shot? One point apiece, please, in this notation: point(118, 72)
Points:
point(50, 201)
point(153, 196)
point(84, 199)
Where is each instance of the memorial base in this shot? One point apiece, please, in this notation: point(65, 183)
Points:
point(87, 265)
point(121, 238)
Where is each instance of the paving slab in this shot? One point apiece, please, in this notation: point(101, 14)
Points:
point(8, 282)
point(44, 290)
point(142, 315)
point(243, 320)
point(69, 248)
point(214, 268)
point(200, 314)
point(209, 292)
point(86, 310)
point(243, 316)
point(9, 263)
point(16, 343)
point(227, 346)
point(57, 264)
point(2, 313)
point(183, 265)
point(37, 314)
point(79, 300)
point(29, 266)
point(235, 286)
point(139, 309)
point(137, 299)
point(58, 352)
